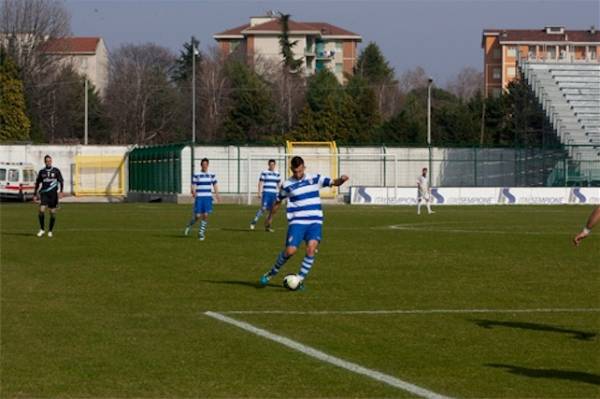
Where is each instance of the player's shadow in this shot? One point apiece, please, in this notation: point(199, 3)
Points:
point(579, 376)
point(576, 334)
point(242, 283)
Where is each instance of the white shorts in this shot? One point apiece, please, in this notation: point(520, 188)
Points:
point(423, 196)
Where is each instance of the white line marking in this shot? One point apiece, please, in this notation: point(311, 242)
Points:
point(324, 357)
point(427, 229)
point(411, 311)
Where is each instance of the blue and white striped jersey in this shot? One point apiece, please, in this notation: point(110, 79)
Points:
point(204, 182)
point(304, 201)
point(270, 181)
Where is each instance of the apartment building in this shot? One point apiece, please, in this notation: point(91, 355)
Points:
point(503, 48)
point(320, 45)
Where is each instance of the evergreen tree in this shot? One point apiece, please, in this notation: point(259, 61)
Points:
point(372, 65)
point(251, 114)
point(287, 46)
point(14, 123)
point(182, 71)
point(365, 111)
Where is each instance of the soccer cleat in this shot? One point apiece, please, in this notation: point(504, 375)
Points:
point(186, 232)
point(49, 234)
point(252, 226)
point(431, 212)
point(201, 237)
point(269, 229)
point(264, 279)
point(40, 233)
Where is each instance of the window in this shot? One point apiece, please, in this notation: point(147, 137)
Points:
point(338, 46)
point(496, 53)
point(2, 174)
point(28, 175)
point(233, 45)
point(496, 73)
point(511, 72)
point(531, 53)
point(496, 92)
point(13, 175)
point(339, 68)
point(592, 53)
point(511, 51)
point(551, 53)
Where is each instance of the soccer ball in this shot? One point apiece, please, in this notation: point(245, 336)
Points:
point(291, 282)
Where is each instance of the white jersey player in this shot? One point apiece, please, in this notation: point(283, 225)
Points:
point(423, 192)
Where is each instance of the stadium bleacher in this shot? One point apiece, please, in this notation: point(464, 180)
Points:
point(569, 93)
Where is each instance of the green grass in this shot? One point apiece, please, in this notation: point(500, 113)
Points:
point(113, 305)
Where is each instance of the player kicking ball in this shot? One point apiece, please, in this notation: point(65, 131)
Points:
point(304, 215)
point(593, 220)
point(202, 185)
point(423, 192)
point(268, 187)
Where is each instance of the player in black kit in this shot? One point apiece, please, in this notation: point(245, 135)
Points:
point(51, 182)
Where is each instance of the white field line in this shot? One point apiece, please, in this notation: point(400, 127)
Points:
point(427, 229)
point(412, 311)
point(324, 357)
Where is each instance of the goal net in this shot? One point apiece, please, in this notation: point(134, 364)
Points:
point(99, 175)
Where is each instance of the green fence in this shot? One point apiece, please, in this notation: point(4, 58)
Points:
point(155, 169)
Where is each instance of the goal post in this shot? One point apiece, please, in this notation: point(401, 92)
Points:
point(99, 175)
point(364, 169)
point(319, 157)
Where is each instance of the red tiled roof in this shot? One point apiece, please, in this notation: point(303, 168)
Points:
point(234, 31)
point(71, 45)
point(540, 35)
point(274, 26)
point(328, 29)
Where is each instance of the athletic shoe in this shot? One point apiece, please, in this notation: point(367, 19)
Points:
point(41, 233)
point(186, 232)
point(201, 238)
point(49, 234)
point(269, 229)
point(431, 212)
point(300, 287)
point(264, 280)
point(252, 226)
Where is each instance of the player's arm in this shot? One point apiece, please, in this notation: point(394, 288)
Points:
point(260, 186)
point(61, 183)
point(193, 188)
point(592, 221)
point(38, 182)
point(280, 197)
point(216, 188)
point(339, 181)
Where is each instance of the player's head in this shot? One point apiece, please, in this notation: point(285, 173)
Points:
point(424, 171)
point(271, 164)
point(297, 167)
point(48, 161)
point(204, 164)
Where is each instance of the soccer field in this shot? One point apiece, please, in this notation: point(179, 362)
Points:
point(468, 302)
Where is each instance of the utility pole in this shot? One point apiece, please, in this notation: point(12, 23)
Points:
point(85, 129)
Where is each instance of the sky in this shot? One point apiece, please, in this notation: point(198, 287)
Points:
point(442, 36)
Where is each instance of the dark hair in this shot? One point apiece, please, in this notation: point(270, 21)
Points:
point(425, 169)
point(204, 160)
point(271, 161)
point(296, 162)
point(46, 157)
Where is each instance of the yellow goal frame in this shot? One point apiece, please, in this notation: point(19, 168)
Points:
point(333, 155)
point(111, 162)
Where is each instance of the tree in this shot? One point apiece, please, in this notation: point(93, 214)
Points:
point(372, 66)
point(250, 117)
point(365, 110)
point(62, 118)
point(290, 63)
point(467, 83)
point(14, 123)
point(142, 102)
point(413, 79)
point(182, 72)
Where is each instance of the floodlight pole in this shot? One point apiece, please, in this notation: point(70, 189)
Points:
point(85, 122)
point(193, 91)
point(429, 83)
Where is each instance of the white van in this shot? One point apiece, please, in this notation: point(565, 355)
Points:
point(17, 180)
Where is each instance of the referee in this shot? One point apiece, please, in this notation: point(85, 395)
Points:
point(49, 178)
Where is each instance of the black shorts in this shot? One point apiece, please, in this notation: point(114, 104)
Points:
point(49, 199)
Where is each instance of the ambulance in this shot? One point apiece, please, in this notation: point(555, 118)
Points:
point(17, 180)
